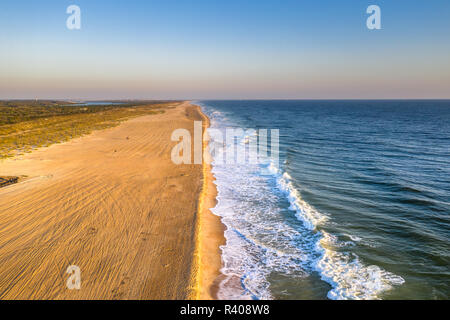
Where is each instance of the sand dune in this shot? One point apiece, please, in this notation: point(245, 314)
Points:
point(112, 203)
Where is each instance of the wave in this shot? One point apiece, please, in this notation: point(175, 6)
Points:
point(344, 271)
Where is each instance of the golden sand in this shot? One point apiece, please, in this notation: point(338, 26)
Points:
point(114, 204)
point(210, 235)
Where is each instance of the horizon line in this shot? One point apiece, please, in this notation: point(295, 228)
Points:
point(223, 99)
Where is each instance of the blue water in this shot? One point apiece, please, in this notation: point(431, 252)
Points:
point(358, 206)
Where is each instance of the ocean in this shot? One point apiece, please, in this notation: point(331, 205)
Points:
point(358, 206)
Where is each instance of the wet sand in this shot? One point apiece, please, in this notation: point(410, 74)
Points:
point(115, 205)
point(210, 234)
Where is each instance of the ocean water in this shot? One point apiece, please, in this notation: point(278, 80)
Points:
point(358, 206)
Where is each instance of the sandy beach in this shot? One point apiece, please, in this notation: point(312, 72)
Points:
point(210, 233)
point(115, 205)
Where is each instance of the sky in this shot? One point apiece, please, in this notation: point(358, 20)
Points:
point(208, 49)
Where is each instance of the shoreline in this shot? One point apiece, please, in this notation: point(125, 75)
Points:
point(209, 232)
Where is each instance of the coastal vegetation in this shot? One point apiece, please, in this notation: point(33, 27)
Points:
point(26, 125)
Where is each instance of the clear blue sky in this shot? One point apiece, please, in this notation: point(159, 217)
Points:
point(225, 49)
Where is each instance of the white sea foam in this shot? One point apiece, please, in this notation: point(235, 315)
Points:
point(350, 278)
point(257, 244)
